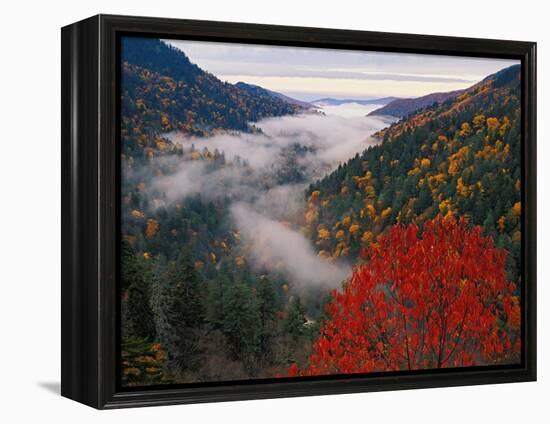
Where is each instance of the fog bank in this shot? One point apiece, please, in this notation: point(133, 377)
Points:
point(265, 178)
point(278, 248)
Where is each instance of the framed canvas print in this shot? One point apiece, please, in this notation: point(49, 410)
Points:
point(254, 211)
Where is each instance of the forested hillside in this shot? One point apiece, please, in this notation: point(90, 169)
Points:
point(163, 91)
point(197, 307)
point(192, 308)
point(461, 157)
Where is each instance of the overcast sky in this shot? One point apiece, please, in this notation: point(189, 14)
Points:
point(308, 74)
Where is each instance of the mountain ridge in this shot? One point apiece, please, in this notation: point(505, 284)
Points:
point(256, 89)
point(330, 101)
point(400, 108)
point(163, 91)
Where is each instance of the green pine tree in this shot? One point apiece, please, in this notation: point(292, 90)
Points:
point(138, 313)
point(294, 324)
point(183, 314)
point(267, 303)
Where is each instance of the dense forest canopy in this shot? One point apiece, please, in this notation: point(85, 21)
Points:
point(203, 295)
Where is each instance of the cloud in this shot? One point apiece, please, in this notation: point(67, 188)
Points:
point(277, 247)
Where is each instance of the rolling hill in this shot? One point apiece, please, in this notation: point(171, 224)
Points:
point(399, 108)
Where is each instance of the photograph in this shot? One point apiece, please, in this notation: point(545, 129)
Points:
point(295, 212)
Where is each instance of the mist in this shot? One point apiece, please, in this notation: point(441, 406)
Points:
point(333, 137)
point(277, 247)
point(267, 205)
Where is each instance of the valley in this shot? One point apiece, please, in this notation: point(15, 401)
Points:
point(245, 211)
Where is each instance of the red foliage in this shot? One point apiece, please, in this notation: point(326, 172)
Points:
point(421, 301)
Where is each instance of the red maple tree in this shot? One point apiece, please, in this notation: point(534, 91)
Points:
point(421, 301)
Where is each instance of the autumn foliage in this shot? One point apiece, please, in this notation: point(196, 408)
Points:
point(422, 300)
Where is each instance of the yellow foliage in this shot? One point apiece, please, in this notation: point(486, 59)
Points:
point(369, 190)
point(371, 211)
point(340, 234)
point(161, 144)
point(439, 178)
point(413, 172)
point(501, 223)
point(456, 160)
point(152, 228)
point(367, 237)
point(445, 206)
point(344, 189)
point(354, 228)
point(239, 261)
point(479, 122)
point(505, 126)
point(323, 234)
point(386, 212)
point(146, 256)
point(425, 163)
point(492, 123)
point(311, 216)
point(346, 221)
point(314, 197)
point(465, 130)
point(516, 209)
point(137, 214)
point(213, 257)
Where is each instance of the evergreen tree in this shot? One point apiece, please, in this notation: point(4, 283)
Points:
point(138, 312)
point(216, 301)
point(142, 362)
point(241, 323)
point(267, 305)
point(294, 324)
point(183, 305)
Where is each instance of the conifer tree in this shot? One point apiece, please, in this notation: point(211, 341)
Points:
point(139, 315)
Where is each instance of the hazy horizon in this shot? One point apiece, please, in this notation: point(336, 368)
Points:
point(309, 74)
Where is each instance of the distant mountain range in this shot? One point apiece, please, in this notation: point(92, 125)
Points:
point(329, 101)
point(260, 91)
point(401, 108)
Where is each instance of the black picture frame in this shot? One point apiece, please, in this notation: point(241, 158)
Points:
point(90, 208)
